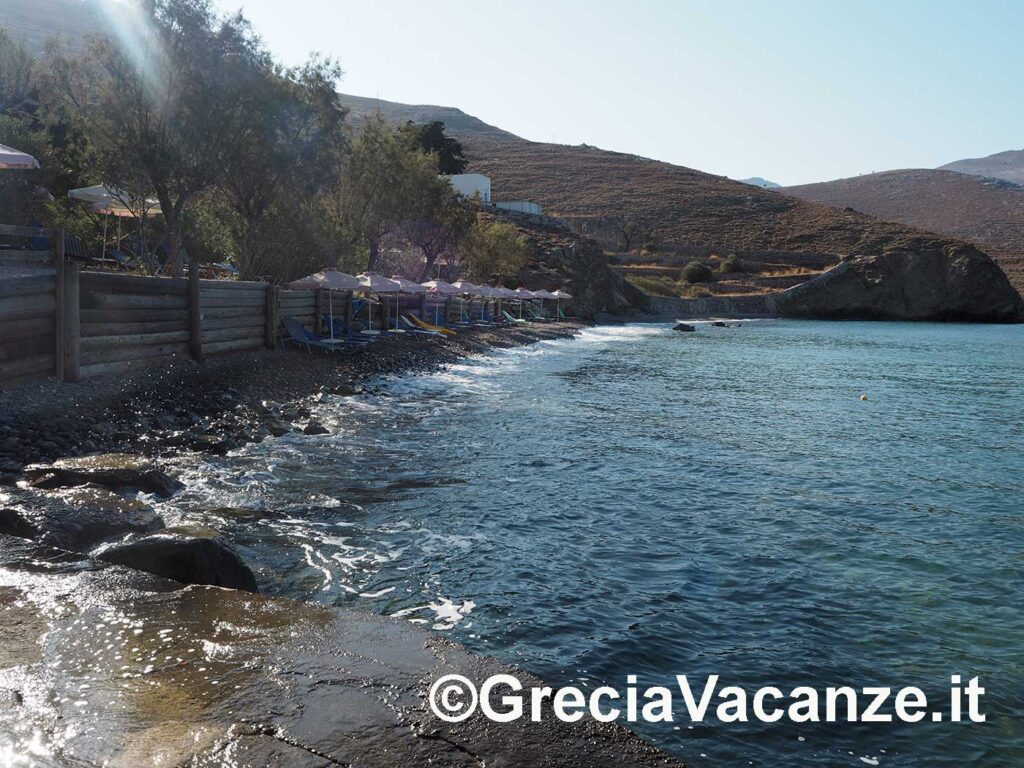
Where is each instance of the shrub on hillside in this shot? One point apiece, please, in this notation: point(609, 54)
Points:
point(696, 272)
point(730, 264)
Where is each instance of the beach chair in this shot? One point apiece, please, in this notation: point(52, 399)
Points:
point(344, 332)
point(428, 327)
point(514, 320)
point(297, 334)
point(497, 322)
point(419, 332)
point(470, 322)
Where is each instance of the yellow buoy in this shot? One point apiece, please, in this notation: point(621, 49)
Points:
point(863, 397)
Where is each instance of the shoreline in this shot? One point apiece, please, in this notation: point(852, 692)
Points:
point(219, 404)
point(309, 684)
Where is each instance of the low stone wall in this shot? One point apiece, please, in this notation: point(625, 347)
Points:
point(714, 306)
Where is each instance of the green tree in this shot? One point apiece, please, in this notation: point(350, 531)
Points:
point(289, 151)
point(164, 108)
point(493, 251)
point(18, 80)
point(439, 220)
point(697, 272)
point(431, 139)
point(383, 182)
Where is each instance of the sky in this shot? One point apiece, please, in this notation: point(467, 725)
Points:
point(795, 91)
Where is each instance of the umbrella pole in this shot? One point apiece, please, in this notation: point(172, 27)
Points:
point(330, 309)
point(105, 218)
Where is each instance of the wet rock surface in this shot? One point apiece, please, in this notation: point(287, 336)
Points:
point(78, 519)
point(115, 472)
point(114, 667)
point(186, 555)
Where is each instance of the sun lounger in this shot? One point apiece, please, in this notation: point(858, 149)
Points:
point(428, 327)
point(297, 334)
point(514, 320)
point(410, 326)
point(343, 331)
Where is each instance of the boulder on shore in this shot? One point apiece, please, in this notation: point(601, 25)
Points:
point(116, 472)
point(187, 555)
point(78, 519)
point(950, 283)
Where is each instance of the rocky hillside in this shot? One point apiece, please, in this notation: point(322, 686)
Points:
point(678, 206)
point(563, 259)
point(1008, 166)
point(984, 211)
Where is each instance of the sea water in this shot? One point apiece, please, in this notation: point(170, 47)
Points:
point(783, 503)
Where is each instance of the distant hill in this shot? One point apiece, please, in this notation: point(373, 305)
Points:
point(985, 211)
point(678, 205)
point(757, 181)
point(36, 21)
point(455, 120)
point(1008, 166)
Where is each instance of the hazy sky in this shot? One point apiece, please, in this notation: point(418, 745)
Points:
point(792, 90)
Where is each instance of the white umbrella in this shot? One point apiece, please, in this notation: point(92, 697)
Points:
point(15, 160)
point(543, 294)
point(559, 294)
point(471, 290)
point(441, 288)
point(112, 201)
point(407, 286)
point(332, 280)
point(371, 282)
point(523, 295)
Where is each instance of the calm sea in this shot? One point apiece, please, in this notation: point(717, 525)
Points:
point(640, 501)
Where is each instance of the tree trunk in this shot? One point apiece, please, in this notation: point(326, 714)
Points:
point(374, 254)
point(431, 257)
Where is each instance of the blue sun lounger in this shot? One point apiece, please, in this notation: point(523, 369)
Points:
point(297, 334)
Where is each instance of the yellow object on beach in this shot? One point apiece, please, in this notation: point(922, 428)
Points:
point(429, 327)
point(863, 397)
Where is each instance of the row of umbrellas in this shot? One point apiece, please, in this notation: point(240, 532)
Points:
point(370, 282)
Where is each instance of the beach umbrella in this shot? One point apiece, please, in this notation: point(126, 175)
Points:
point(441, 288)
point(469, 289)
point(559, 294)
point(331, 280)
point(407, 286)
point(543, 294)
point(15, 160)
point(371, 282)
point(523, 295)
point(111, 201)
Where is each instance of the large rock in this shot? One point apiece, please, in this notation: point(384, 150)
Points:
point(952, 283)
point(187, 555)
point(117, 472)
point(119, 670)
point(78, 519)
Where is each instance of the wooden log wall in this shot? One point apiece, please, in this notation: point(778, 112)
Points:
point(233, 315)
point(28, 339)
point(127, 322)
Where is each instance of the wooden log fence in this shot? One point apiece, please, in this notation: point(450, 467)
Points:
point(71, 324)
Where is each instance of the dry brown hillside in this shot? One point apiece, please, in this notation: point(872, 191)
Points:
point(679, 206)
point(986, 212)
point(1008, 166)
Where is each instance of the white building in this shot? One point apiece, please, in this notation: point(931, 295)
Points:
point(469, 184)
point(522, 206)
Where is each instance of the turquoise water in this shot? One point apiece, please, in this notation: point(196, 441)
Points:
point(639, 501)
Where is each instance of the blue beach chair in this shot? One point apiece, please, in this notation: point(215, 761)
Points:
point(297, 334)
